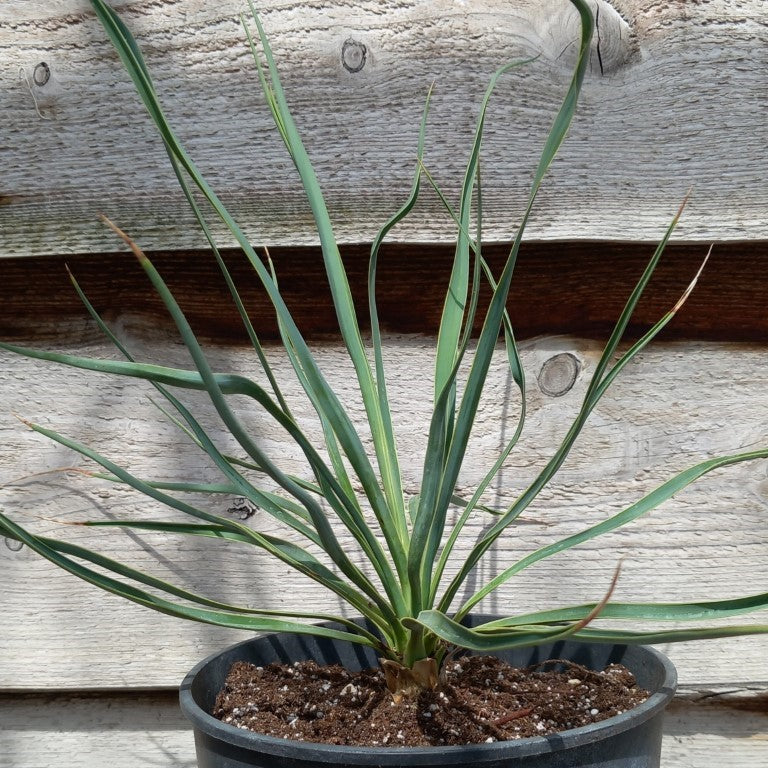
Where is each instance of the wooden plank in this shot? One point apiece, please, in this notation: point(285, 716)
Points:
point(718, 732)
point(671, 101)
point(678, 404)
point(143, 730)
point(137, 730)
point(574, 288)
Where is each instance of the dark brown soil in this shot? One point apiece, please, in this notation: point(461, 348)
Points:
point(480, 699)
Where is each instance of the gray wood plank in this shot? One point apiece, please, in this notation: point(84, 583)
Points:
point(679, 403)
point(673, 100)
point(147, 730)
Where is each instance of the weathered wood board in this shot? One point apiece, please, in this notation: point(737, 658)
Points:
point(147, 730)
point(678, 404)
point(675, 98)
point(574, 288)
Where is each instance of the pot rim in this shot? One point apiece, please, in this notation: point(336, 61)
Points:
point(393, 755)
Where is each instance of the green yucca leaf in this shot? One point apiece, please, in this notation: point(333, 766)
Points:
point(521, 635)
point(649, 502)
point(516, 371)
point(231, 619)
point(455, 317)
point(592, 397)
point(444, 459)
point(346, 433)
point(502, 638)
point(391, 514)
point(289, 553)
point(705, 610)
point(82, 553)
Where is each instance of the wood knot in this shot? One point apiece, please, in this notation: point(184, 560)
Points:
point(614, 43)
point(559, 374)
point(353, 55)
point(41, 74)
point(13, 544)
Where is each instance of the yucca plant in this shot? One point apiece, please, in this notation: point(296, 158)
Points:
point(408, 543)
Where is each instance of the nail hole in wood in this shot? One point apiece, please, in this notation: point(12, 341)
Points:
point(353, 55)
point(41, 74)
point(559, 374)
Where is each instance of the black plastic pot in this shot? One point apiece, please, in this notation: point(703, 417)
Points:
point(630, 740)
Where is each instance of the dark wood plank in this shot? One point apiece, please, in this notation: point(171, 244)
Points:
point(562, 288)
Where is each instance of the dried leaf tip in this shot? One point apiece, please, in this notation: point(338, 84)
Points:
point(597, 610)
point(684, 202)
point(693, 282)
point(25, 422)
point(44, 472)
point(137, 252)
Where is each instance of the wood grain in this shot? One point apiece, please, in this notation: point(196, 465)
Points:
point(680, 403)
point(672, 100)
